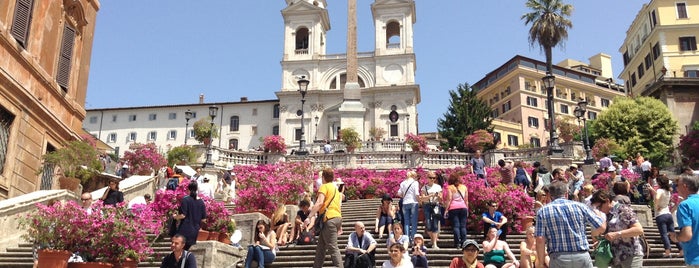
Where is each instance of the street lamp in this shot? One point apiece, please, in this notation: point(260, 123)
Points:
point(407, 123)
point(213, 111)
point(549, 82)
point(187, 117)
point(303, 88)
point(316, 133)
point(579, 112)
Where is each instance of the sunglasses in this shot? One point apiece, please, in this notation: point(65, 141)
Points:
point(85, 199)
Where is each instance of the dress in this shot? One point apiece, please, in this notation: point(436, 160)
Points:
point(194, 211)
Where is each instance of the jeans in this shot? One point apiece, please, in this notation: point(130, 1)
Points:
point(458, 222)
point(262, 256)
point(665, 225)
point(410, 220)
point(327, 241)
point(431, 222)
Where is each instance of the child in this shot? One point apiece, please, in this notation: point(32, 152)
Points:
point(419, 252)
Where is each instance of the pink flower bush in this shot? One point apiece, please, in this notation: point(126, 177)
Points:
point(604, 146)
point(264, 187)
point(601, 181)
point(479, 140)
point(144, 158)
point(275, 144)
point(630, 176)
point(417, 143)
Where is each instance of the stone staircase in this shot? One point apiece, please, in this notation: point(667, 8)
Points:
point(354, 210)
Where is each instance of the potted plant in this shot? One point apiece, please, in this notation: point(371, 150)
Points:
point(479, 140)
point(369, 191)
point(274, 144)
point(416, 142)
point(225, 237)
point(181, 153)
point(377, 133)
point(78, 160)
point(121, 236)
point(204, 131)
point(144, 159)
point(351, 139)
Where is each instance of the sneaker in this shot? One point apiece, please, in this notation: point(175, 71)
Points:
point(434, 246)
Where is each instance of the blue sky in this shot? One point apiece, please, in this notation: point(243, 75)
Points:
point(168, 52)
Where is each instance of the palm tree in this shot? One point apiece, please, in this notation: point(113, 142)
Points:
point(550, 24)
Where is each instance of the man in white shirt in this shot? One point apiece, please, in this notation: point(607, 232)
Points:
point(605, 162)
point(327, 148)
point(205, 188)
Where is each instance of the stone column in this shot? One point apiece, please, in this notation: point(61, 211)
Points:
point(352, 110)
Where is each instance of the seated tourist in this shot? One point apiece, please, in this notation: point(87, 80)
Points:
point(360, 249)
point(264, 248)
point(396, 252)
point(384, 216)
point(494, 251)
point(301, 215)
point(470, 256)
point(527, 250)
point(418, 254)
point(280, 221)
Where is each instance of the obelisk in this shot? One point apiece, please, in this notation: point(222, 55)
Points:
point(352, 111)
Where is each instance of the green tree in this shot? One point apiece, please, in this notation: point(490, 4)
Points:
point(639, 125)
point(181, 153)
point(203, 129)
point(549, 26)
point(466, 113)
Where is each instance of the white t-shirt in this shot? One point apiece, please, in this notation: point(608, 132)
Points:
point(405, 263)
point(206, 189)
point(663, 202)
point(434, 189)
point(409, 191)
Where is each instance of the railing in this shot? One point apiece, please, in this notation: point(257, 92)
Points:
point(344, 56)
point(393, 45)
point(302, 51)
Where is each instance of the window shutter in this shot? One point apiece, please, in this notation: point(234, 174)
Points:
point(22, 21)
point(65, 59)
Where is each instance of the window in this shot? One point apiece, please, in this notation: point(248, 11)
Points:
point(653, 19)
point(93, 119)
point(152, 117)
point(254, 111)
point(172, 116)
point(532, 101)
point(495, 113)
point(533, 122)
point(648, 61)
point(275, 130)
point(640, 70)
point(691, 73)
point(194, 114)
point(393, 34)
point(131, 137)
point(275, 111)
point(235, 123)
point(65, 61)
point(506, 107)
point(302, 40)
point(172, 134)
point(297, 134)
point(528, 86)
point(572, 96)
point(604, 102)
point(626, 58)
point(681, 10)
point(111, 137)
point(152, 135)
point(394, 130)
point(496, 137)
point(633, 80)
point(233, 144)
point(191, 133)
point(688, 43)
point(535, 142)
point(564, 109)
point(656, 51)
point(22, 21)
point(254, 130)
point(132, 118)
point(512, 140)
point(114, 118)
point(591, 115)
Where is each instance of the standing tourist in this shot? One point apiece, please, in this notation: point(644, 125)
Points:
point(112, 195)
point(575, 182)
point(623, 230)
point(687, 219)
point(560, 229)
point(605, 162)
point(179, 257)
point(469, 259)
point(328, 206)
point(456, 203)
point(507, 172)
point(409, 191)
point(478, 167)
point(432, 196)
point(86, 202)
point(663, 216)
point(327, 148)
point(521, 178)
point(205, 188)
point(192, 210)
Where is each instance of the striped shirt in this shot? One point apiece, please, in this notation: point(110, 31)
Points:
point(562, 222)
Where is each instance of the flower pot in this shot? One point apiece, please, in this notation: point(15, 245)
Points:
point(128, 263)
point(224, 238)
point(203, 235)
point(213, 236)
point(369, 196)
point(68, 183)
point(50, 258)
point(88, 265)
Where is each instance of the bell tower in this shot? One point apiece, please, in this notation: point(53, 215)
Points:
point(306, 23)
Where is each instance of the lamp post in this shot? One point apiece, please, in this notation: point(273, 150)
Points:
point(579, 112)
point(303, 88)
point(187, 117)
point(213, 110)
point(407, 123)
point(316, 133)
point(550, 82)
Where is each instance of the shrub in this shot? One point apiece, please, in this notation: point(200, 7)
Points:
point(275, 144)
point(479, 140)
point(144, 158)
point(203, 130)
point(417, 143)
point(181, 153)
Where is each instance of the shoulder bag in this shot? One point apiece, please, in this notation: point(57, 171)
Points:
point(400, 201)
point(320, 224)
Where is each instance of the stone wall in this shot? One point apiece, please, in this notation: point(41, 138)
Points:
point(214, 254)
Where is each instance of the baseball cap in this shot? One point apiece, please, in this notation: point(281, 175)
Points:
point(611, 168)
point(418, 236)
point(573, 166)
point(469, 242)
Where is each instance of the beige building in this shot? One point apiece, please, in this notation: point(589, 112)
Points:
point(661, 57)
point(518, 99)
point(45, 49)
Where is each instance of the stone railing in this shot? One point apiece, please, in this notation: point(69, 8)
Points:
point(132, 187)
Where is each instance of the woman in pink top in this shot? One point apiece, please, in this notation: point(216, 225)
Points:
point(456, 203)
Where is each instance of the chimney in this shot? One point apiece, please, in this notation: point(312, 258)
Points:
point(201, 98)
point(243, 99)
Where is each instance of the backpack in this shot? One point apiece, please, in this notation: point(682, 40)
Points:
point(172, 184)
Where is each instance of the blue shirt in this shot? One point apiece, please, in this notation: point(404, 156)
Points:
point(478, 166)
point(562, 222)
point(688, 215)
point(495, 218)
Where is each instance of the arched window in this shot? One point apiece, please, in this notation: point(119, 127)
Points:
point(233, 144)
point(302, 40)
point(393, 35)
point(343, 80)
point(235, 123)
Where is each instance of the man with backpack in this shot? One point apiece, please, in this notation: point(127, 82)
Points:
point(179, 258)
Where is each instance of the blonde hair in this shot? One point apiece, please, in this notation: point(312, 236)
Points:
point(278, 214)
point(411, 174)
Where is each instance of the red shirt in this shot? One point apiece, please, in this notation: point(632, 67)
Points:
point(458, 262)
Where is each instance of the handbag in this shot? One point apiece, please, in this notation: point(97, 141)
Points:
point(319, 224)
point(436, 213)
point(603, 254)
point(306, 238)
